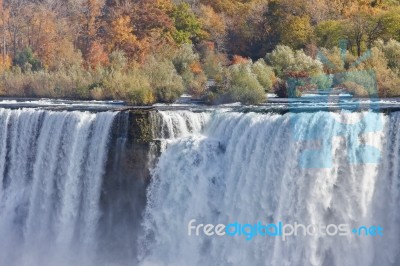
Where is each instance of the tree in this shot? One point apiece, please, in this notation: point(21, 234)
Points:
point(43, 37)
point(187, 27)
point(391, 24)
point(15, 23)
point(214, 25)
point(297, 32)
point(27, 60)
point(363, 30)
point(356, 33)
point(121, 36)
point(328, 33)
point(248, 31)
point(91, 11)
point(150, 19)
point(3, 31)
point(229, 7)
point(96, 55)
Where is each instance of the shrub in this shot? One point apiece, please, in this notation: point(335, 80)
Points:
point(65, 83)
point(241, 85)
point(237, 59)
point(306, 63)
point(164, 80)
point(133, 86)
point(187, 65)
point(365, 79)
point(281, 58)
point(184, 57)
point(379, 76)
point(296, 83)
point(284, 59)
point(265, 74)
point(391, 49)
point(321, 81)
point(355, 89)
point(118, 61)
point(213, 63)
point(197, 85)
point(332, 59)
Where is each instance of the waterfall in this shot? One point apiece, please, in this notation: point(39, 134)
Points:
point(74, 187)
point(51, 170)
point(175, 124)
point(309, 168)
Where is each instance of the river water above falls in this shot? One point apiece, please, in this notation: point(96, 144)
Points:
point(119, 187)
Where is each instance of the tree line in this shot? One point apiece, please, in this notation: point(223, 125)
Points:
point(144, 51)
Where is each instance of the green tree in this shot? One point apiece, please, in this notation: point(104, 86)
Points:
point(391, 24)
point(27, 60)
point(297, 32)
point(328, 33)
point(187, 26)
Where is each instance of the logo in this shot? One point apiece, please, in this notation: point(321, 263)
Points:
point(317, 143)
point(280, 230)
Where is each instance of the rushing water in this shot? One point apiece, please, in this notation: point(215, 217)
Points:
point(69, 193)
point(51, 168)
point(250, 167)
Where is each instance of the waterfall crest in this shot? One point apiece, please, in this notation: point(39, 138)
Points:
point(51, 170)
point(247, 167)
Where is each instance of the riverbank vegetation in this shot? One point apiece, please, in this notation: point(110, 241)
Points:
point(220, 51)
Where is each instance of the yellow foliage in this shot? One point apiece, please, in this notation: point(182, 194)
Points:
point(5, 63)
point(122, 32)
point(297, 31)
point(166, 5)
point(212, 22)
point(122, 37)
point(45, 38)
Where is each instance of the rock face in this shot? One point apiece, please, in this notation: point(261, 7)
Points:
point(127, 175)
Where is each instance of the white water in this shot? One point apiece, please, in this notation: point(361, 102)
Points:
point(247, 168)
point(175, 124)
point(51, 169)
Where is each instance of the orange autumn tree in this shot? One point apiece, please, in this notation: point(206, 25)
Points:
point(121, 37)
point(96, 56)
point(137, 27)
point(214, 25)
point(44, 37)
point(90, 25)
point(5, 63)
point(3, 32)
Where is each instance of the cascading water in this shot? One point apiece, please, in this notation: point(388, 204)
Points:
point(250, 167)
point(175, 124)
point(51, 170)
point(73, 186)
